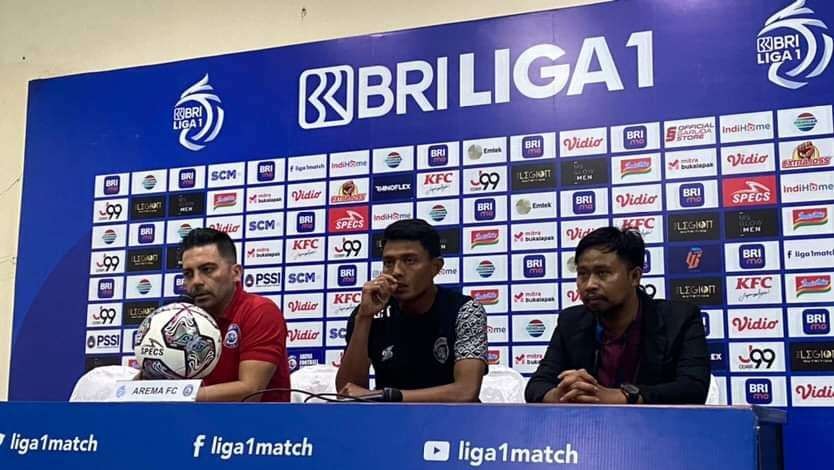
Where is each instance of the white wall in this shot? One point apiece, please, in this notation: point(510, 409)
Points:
point(47, 38)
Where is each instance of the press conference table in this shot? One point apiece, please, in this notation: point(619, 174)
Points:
point(347, 436)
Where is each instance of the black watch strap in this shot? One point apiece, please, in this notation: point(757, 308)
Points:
point(631, 392)
point(392, 395)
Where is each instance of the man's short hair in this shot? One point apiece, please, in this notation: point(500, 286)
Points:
point(627, 244)
point(210, 236)
point(417, 230)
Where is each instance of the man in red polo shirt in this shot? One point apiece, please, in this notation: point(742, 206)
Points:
point(254, 355)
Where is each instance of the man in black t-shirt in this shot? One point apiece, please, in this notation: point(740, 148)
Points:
point(426, 343)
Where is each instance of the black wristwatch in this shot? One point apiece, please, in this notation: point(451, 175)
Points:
point(392, 395)
point(631, 392)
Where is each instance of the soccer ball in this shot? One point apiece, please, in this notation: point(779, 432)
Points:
point(177, 341)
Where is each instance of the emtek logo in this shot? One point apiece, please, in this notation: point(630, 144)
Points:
point(758, 391)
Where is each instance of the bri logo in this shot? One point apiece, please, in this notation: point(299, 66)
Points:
point(815, 321)
point(758, 391)
point(751, 256)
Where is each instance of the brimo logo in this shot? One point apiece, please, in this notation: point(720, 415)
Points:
point(777, 50)
point(194, 115)
point(327, 96)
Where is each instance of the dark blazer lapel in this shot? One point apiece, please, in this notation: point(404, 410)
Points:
point(653, 341)
point(582, 343)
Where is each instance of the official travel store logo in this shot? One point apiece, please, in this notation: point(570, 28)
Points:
point(749, 191)
point(758, 391)
point(348, 219)
point(812, 284)
point(778, 47)
point(806, 155)
point(198, 116)
point(687, 132)
point(816, 321)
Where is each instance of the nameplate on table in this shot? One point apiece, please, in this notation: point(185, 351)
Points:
point(156, 390)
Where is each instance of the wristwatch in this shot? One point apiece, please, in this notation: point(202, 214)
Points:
point(631, 392)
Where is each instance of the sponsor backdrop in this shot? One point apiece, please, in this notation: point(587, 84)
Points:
point(707, 127)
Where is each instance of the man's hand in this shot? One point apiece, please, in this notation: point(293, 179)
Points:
point(353, 390)
point(574, 384)
point(578, 386)
point(375, 295)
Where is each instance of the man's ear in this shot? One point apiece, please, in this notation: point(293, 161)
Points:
point(636, 274)
point(237, 271)
point(437, 265)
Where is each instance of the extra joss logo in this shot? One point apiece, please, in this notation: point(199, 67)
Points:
point(796, 40)
point(198, 115)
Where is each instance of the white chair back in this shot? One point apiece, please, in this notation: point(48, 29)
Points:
point(320, 378)
point(502, 385)
point(714, 393)
point(100, 383)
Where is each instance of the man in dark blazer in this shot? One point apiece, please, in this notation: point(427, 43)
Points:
point(621, 346)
